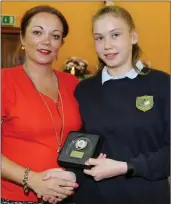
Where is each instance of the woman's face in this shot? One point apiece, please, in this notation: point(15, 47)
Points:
point(113, 41)
point(43, 38)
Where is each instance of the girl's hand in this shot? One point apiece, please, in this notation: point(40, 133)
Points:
point(105, 168)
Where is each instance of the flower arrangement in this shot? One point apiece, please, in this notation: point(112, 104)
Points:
point(76, 66)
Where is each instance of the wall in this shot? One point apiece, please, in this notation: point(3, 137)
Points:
point(152, 20)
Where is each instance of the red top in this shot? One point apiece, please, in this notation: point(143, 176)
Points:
point(28, 135)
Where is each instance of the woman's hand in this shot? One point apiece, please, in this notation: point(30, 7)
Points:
point(105, 168)
point(51, 187)
point(61, 174)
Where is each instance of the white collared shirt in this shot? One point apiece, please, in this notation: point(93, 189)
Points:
point(130, 74)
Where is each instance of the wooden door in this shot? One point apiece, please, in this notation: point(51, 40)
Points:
point(11, 53)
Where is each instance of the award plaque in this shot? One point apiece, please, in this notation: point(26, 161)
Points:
point(78, 148)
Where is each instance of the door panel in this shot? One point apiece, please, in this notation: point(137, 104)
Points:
point(11, 53)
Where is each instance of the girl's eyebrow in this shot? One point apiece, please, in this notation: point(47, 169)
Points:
point(116, 29)
point(98, 34)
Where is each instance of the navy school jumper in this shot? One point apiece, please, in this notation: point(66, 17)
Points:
point(129, 134)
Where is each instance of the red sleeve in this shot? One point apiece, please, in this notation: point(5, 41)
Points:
point(6, 94)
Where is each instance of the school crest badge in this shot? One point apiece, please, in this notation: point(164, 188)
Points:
point(144, 103)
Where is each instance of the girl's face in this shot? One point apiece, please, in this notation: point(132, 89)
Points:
point(114, 41)
point(43, 38)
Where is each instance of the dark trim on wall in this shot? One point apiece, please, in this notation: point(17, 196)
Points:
point(12, 30)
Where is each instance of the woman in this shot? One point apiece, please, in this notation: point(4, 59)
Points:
point(129, 107)
point(38, 111)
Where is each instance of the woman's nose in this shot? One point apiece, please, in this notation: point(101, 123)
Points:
point(46, 40)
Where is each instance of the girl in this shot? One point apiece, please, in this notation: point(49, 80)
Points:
point(128, 105)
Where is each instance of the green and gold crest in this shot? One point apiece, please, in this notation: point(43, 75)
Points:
point(144, 103)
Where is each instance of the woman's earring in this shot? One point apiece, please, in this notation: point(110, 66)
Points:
point(22, 47)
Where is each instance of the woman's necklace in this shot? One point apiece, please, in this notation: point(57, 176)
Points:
point(59, 139)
